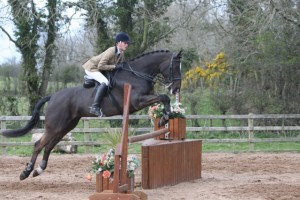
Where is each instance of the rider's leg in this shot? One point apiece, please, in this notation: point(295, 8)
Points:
point(101, 90)
point(95, 109)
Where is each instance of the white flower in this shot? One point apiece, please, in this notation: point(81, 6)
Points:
point(97, 158)
point(106, 162)
point(175, 108)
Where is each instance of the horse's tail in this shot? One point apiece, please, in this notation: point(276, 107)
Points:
point(31, 123)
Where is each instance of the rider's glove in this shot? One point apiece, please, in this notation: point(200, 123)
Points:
point(119, 66)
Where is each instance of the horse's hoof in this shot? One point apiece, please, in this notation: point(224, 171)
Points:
point(162, 122)
point(23, 176)
point(35, 173)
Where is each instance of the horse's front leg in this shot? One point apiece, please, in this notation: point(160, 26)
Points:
point(144, 101)
point(165, 100)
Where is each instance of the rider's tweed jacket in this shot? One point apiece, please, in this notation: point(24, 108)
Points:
point(104, 61)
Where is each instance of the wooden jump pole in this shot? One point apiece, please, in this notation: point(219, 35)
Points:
point(120, 176)
point(148, 135)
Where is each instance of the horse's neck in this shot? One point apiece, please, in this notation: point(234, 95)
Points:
point(148, 64)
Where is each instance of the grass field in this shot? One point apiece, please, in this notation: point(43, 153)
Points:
point(136, 148)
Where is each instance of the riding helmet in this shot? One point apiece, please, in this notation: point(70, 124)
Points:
point(122, 37)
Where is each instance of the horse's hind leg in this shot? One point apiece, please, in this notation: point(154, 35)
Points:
point(56, 135)
point(38, 146)
point(48, 148)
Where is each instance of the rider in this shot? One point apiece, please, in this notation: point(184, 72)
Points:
point(108, 60)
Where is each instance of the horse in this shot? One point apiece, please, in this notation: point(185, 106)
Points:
point(66, 107)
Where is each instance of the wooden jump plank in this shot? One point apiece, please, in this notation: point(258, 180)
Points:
point(170, 162)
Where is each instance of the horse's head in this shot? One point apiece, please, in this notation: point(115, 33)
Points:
point(171, 72)
point(148, 65)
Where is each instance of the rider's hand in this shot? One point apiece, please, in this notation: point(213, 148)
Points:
point(119, 66)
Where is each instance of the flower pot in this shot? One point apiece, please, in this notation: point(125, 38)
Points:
point(107, 183)
point(156, 127)
point(177, 128)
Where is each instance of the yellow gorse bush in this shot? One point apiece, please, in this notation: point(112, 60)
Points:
point(213, 70)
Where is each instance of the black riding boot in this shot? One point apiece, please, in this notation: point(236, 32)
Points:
point(95, 109)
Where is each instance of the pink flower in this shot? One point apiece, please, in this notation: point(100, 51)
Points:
point(88, 177)
point(155, 107)
point(106, 174)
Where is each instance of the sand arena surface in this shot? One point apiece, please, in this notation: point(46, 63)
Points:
point(224, 176)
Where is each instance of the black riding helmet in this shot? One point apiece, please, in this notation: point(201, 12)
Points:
point(122, 37)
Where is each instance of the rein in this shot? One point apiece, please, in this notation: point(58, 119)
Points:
point(151, 78)
point(140, 74)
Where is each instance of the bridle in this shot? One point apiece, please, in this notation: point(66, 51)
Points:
point(171, 71)
point(153, 78)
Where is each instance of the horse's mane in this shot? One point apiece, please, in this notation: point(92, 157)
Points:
point(148, 53)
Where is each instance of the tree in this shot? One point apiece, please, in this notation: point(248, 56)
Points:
point(35, 26)
point(265, 37)
point(140, 19)
point(97, 19)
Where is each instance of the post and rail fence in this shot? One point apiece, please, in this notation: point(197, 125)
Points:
point(278, 123)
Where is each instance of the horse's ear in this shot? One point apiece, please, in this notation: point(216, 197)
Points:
point(179, 54)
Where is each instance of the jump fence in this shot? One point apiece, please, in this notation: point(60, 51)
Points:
point(249, 125)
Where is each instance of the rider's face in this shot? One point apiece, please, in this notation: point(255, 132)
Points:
point(122, 45)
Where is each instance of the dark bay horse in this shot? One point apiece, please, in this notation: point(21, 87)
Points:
point(67, 106)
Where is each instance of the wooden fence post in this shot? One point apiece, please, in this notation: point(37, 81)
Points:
point(3, 139)
point(251, 133)
point(87, 135)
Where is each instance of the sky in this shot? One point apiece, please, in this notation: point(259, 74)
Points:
point(8, 51)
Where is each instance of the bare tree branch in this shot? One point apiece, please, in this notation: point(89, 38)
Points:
point(8, 35)
point(281, 13)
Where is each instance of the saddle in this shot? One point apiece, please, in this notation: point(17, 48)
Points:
point(89, 82)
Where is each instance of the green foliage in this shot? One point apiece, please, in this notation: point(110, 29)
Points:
point(112, 138)
point(124, 12)
point(189, 57)
point(13, 105)
point(67, 74)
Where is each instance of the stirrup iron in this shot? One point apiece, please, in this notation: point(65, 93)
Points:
point(94, 111)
